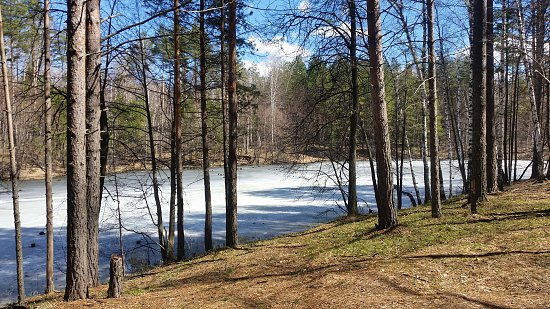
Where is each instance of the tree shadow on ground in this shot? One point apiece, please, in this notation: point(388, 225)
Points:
point(473, 256)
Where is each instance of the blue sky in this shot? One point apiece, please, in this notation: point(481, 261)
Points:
point(271, 49)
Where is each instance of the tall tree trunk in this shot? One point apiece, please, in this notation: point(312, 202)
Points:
point(208, 246)
point(231, 206)
point(432, 99)
point(50, 287)
point(538, 164)
point(386, 212)
point(177, 114)
point(492, 168)
point(478, 157)
point(77, 276)
point(175, 154)
point(225, 121)
point(352, 188)
point(13, 169)
point(504, 97)
point(539, 27)
point(93, 138)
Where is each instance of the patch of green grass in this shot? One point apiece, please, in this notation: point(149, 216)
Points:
point(417, 230)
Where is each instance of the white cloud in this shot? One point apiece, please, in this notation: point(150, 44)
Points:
point(304, 5)
point(261, 67)
point(272, 52)
point(277, 47)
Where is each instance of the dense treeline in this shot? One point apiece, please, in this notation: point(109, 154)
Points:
point(156, 85)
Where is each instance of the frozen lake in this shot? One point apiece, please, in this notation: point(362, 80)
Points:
point(271, 202)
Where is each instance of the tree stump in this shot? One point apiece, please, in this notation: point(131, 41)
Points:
point(116, 276)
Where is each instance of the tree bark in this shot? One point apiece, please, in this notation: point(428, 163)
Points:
point(478, 156)
point(50, 287)
point(352, 186)
point(432, 101)
point(492, 168)
point(13, 169)
point(231, 207)
point(116, 275)
point(208, 246)
point(93, 138)
point(386, 212)
point(77, 276)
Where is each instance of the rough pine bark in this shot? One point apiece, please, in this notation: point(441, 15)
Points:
point(13, 169)
point(77, 217)
point(231, 206)
point(208, 246)
point(50, 287)
point(93, 137)
point(386, 212)
point(432, 101)
point(478, 156)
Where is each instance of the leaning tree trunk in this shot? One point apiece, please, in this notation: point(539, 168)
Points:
point(152, 152)
point(77, 235)
point(432, 99)
point(208, 246)
point(386, 212)
point(50, 287)
point(477, 170)
point(13, 169)
point(93, 138)
point(231, 206)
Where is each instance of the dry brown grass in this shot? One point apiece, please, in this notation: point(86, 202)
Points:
point(497, 259)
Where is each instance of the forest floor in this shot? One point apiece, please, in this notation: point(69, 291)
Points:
point(499, 258)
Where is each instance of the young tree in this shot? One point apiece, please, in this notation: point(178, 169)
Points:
point(386, 212)
point(77, 235)
point(432, 100)
point(13, 169)
point(478, 156)
point(231, 239)
point(50, 287)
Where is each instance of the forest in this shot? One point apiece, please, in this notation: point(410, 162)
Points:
point(94, 89)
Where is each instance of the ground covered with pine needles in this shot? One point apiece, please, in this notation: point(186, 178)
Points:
point(499, 258)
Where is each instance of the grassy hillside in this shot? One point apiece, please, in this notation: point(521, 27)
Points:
point(499, 258)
